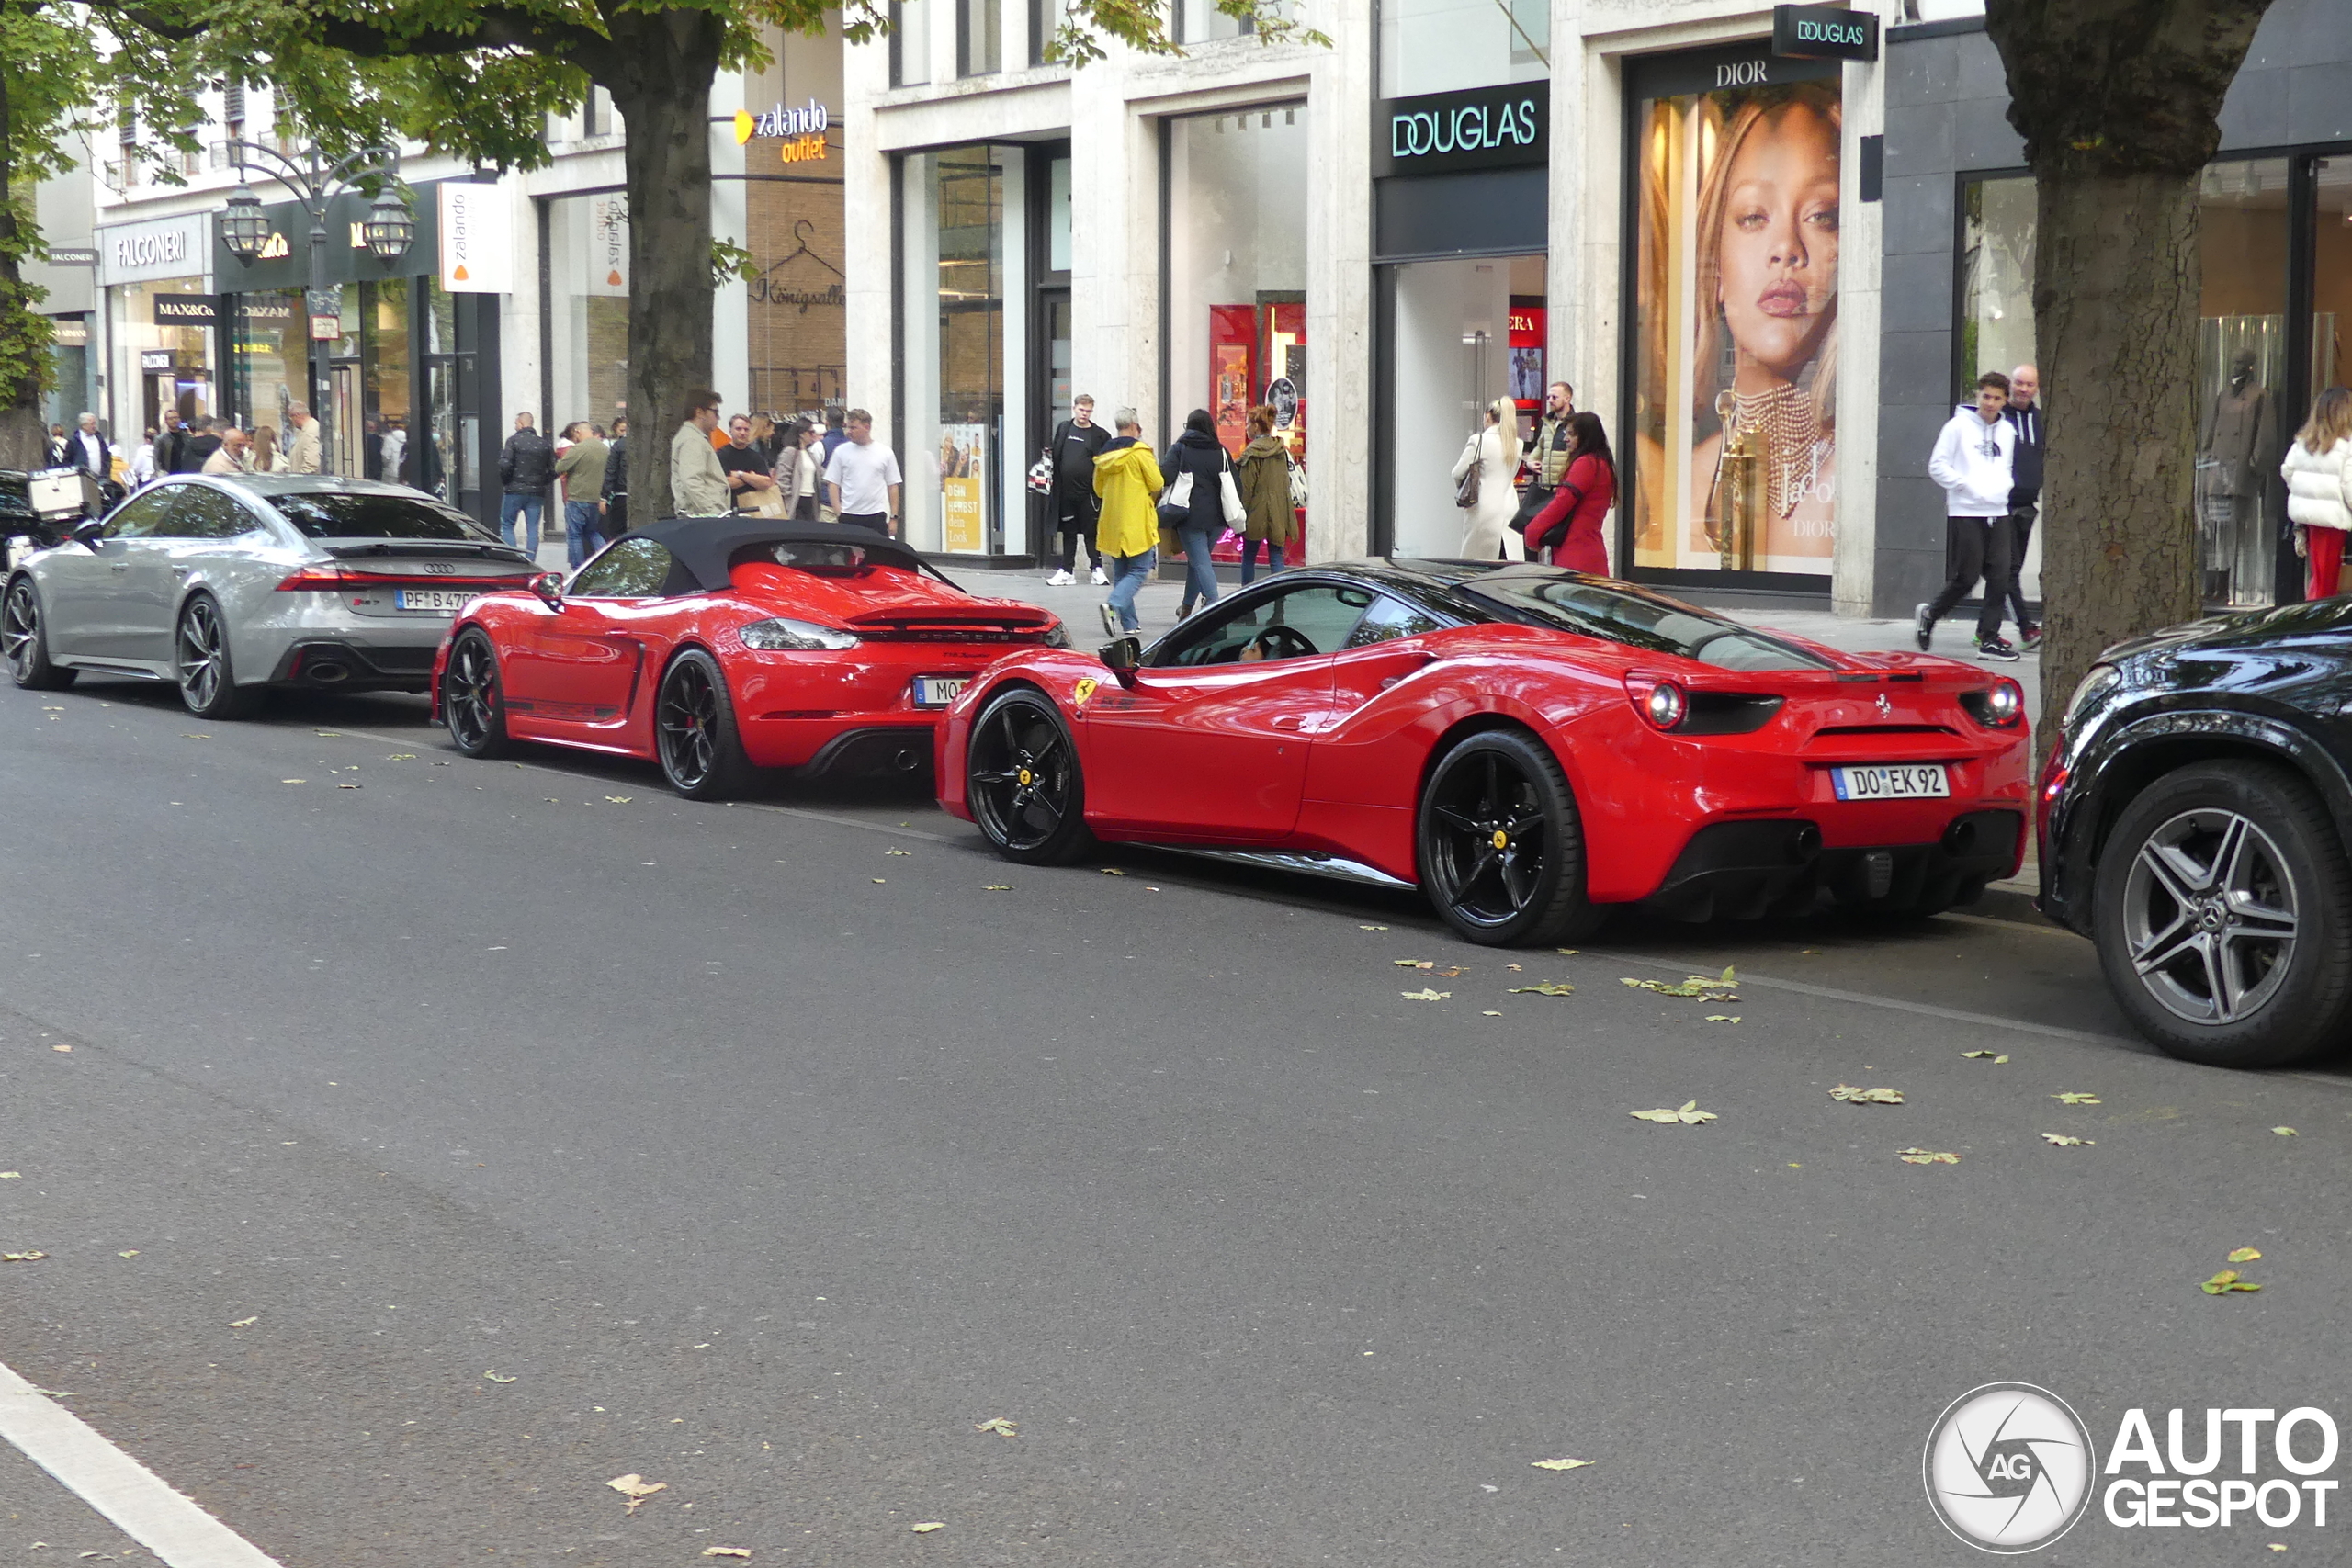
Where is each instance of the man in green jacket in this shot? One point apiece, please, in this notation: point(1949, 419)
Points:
point(581, 470)
point(698, 484)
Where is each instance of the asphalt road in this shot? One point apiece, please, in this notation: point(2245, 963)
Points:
point(432, 1152)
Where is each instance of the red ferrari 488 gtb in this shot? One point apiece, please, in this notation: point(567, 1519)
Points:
point(1528, 745)
point(718, 646)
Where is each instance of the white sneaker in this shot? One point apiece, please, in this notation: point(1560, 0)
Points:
point(1060, 579)
point(1100, 580)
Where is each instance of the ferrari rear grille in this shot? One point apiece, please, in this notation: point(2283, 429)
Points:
point(1885, 729)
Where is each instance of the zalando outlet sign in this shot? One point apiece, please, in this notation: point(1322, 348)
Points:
point(1485, 128)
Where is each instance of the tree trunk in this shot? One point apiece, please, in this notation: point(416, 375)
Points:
point(667, 61)
point(20, 347)
point(2117, 279)
point(2118, 101)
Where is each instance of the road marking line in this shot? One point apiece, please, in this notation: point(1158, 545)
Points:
point(163, 1521)
point(1928, 1009)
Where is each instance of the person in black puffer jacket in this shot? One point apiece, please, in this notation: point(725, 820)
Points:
point(525, 472)
point(616, 481)
point(1199, 453)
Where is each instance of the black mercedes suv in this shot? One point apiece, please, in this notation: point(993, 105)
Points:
point(2193, 815)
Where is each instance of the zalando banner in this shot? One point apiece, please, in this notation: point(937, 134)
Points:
point(477, 238)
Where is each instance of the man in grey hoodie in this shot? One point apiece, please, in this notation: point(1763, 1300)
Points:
point(1974, 461)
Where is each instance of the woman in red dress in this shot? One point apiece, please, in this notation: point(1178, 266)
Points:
point(1569, 525)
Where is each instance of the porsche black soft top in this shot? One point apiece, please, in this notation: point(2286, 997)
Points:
point(707, 547)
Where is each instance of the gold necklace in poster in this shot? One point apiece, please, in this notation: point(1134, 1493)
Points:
point(1785, 417)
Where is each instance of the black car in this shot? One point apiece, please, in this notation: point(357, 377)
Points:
point(2194, 812)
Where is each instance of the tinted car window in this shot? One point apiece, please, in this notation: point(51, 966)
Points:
point(344, 515)
point(1305, 621)
point(1651, 622)
point(143, 516)
point(203, 513)
point(1390, 618)
point(632, 569)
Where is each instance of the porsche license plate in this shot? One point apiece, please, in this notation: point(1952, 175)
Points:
point(439, 601)
point(938, 690)
point(1895, 780)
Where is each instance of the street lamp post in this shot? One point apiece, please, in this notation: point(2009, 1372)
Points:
point(390, 230)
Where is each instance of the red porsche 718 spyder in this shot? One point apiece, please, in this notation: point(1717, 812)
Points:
point(718, 646)
point(1528, 745)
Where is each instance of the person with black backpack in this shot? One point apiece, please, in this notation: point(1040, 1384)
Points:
point(1072, 455)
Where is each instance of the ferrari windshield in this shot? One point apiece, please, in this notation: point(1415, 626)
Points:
point(1650, 622)
point(346, 514)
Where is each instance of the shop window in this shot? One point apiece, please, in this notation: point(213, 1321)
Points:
point(1236, 274)
point(910, 42)
point(1996, 321)
point(798, 301)
point(383, 452)
point(268, 364)
point(980, 37)
point(1735, 330)
point(952, 294)
point(1466, 331)
point(170, 363)
point(1440, 46)
point(2245, 410)
point(1200, 21)
point(2331, 278)
point(587, 298)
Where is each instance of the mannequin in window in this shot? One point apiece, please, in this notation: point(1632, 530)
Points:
point(2234, 438)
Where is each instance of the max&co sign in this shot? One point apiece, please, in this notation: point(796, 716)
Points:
point(1485, 128)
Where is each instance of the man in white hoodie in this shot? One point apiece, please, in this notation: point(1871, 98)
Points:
point(1972, 461)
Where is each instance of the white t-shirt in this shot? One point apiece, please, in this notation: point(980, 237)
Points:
point(866, 475)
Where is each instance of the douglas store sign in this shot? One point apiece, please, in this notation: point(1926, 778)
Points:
point(1487, 127)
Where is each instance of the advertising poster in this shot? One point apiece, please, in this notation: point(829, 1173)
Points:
point(1527, 355)
point(963, 484)
point(1232, 345)
point(1737, 296)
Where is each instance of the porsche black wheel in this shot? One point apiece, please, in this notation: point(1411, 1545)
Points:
point(1501, 846)
point(473, 704)
point(1022, 778)
point(695, 733)
point(208, 681)
point(25, 640)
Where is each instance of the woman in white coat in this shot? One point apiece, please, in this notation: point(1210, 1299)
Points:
point(1485, 534)
point(2318, 470)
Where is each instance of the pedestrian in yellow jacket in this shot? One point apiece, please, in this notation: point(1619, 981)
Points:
point(1127, 478)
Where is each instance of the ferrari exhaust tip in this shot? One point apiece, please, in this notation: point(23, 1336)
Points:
point(906, 761)
point(1805, 843)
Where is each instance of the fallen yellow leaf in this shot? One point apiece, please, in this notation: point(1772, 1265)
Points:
point(1562, 1463)
point(938, 1523)
point(1853, 1095)
point(2245, 1255)
point(725, 1551)
point(998, 1424)
point(1425, 995)
point(635, 1488)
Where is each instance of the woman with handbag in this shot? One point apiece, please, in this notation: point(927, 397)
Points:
point(1569, 526)
point(1199, 477)
point(1482, 486)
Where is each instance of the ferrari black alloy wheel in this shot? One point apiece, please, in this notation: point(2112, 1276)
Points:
point(1502, 848)
point(472, 704)
point(200, 659)
point(2222, 910)
point(25, 642)
point(693, 732)
point(1022, 778)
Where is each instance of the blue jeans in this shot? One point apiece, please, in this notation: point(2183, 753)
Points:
point(530, 507)
point(1250, 558)
point(1126, 580)
point(1200, 572)
point(584, 531)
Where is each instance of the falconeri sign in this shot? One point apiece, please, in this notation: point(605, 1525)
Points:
point(1487, 127)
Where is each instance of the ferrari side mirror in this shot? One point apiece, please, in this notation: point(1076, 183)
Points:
point(1123, 658)
point(548, 586)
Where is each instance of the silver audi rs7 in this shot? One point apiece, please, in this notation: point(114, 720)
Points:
point(230, 586)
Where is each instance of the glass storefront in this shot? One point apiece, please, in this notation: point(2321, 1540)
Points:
point(266, 363)
point(1466, 331)
point(951, 296)
point(799, 303)
point(2248, 403)
point(588, 301)
point(1734, 321)
point(171, 364)
point(1436, 46)
point(1236, 274)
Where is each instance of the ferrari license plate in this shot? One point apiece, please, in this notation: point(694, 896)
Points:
point(440, 601)
point(1895, 780)
point(938, 690)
